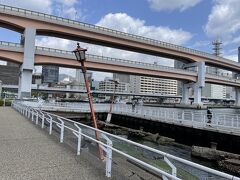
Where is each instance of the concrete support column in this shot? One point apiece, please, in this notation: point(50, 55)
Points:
point(197, 94)
point(200, 83)
point(185, 94)
point(26, 69)
point(237, 101)
point(0, 89)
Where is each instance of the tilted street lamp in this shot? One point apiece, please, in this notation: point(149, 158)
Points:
point(109, 116)
point(80, 54)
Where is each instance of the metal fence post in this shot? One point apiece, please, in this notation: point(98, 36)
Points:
point(32, 114)
point(108, 151)
point(79, 136)
point(36, 117)
point(62, 132)
point(174, 169)
point(109, 159)
point(50, 125)
point(43, 116)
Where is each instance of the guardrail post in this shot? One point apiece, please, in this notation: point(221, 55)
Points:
point(174, 169)
point(79, 136)
point(50, 125)
point(109, 159)
point(36, 117)
point(62, 129)
point(108, 151)
point(62, 132)
point(43, 116)
point(29, 112)
point(32, 114)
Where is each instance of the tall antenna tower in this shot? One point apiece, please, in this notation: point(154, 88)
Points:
point(217, 47)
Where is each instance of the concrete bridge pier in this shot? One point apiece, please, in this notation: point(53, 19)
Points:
point(26, 69)
point(237, 89)
point(0, 89)
point(200, 83)
point(237, 101)
point(185, 93)
point(197, 86)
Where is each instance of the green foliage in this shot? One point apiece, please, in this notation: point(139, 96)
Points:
point(1, 102)
point(7, 102)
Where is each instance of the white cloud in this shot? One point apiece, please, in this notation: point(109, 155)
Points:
point(56, 43)
point(63, 8)
point(67, 2)
point(182, 5)
point(40, 6)
point(224, 19)
point(232, 57)
point(126, 23)
point(236, 40)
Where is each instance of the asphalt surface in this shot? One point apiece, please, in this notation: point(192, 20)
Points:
point(28, 152)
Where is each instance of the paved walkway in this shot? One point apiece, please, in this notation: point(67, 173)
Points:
point(28, 153)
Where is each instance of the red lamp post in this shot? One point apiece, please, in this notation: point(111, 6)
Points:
point(80, 54)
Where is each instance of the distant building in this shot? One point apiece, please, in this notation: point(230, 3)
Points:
point(151, 85)
point(50, 74)
point(214, 90)
point(37, 78)
point(95, 85)
point(122, 77)
point(9, 74)
point(80, 78)
point(110, 86)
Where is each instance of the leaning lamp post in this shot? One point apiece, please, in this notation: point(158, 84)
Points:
point(80, 54)
point(109, 116)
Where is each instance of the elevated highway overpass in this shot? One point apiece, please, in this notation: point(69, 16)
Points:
point(49, 56)
point(19, 19)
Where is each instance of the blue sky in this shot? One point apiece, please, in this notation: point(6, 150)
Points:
point(191, 23)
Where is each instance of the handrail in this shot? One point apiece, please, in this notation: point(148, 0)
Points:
point(220, 121)
point(114, 32)
point(19, 106)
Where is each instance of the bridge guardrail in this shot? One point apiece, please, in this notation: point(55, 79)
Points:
point(174, 167)
point(228, 123)
point(113, 32)
point(109, 59)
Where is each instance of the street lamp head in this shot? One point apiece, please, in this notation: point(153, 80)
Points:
point(80, 53)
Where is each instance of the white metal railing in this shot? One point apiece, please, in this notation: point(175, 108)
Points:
point(224, 122)
point(109, 142)
point(112, 32)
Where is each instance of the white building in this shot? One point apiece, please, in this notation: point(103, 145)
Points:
point(151, 85)
point(214, 90)
point(109, 86)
